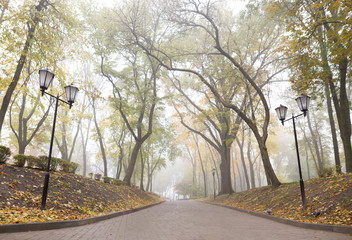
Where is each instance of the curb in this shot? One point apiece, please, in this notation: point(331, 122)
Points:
point(24, 227)
point(313, 226)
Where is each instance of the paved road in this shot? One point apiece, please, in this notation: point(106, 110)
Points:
point(181, 220)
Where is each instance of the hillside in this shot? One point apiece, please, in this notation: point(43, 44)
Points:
point(70, 196)
point(332, 196)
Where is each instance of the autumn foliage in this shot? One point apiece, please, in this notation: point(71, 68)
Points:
point(330, 195)
point(70, 196)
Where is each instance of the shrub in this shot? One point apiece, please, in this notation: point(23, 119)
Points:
point(20, 160)
point(73, 167)
point(55, 163)
point(42, 162)
point(68, 167)
point(5, 153)
point(32, 161)
point(97, 176)
point(328, 171)
point(65, 165)
point(119, 182)
point(107, 179)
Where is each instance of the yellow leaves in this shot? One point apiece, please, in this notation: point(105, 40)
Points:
point(70, 197)
point(330, 196)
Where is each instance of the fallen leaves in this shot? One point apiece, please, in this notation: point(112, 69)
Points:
point(331, 196)
point(70, 197)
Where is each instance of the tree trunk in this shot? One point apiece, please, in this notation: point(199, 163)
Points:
point(307, 162)
point(225, 170)
point(101, 144)
point(132, 163)
point(142, 172)
point(315, 143)
point(240, 145)
point(340, 100)
point(215, 166)
point(202, 166)
point(240, 177)
point(84, 147)
point(259, 175)
point(234, 175)
point(269, 171)
point(343, 113)
point(333, 129)
point(251, 167)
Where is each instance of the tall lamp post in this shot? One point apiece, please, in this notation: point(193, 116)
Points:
point(303, 104)
point(213, 172)
point(45, 78)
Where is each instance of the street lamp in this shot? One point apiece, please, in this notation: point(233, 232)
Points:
point(213, 172)
point(303, 104)
point(45, 79)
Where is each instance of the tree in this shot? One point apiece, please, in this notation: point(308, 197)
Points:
point(28, 124)
point(318, 47)
point(255, 67)
point(212, 121)
point(40, 29)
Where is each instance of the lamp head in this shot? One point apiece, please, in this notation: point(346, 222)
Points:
point(303, 103)
point(71, 93)
point(281, 113)
point(45, 79)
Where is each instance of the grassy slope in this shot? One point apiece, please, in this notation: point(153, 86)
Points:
point(70, 196)
point(332, 196)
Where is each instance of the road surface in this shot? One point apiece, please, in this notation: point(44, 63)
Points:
point(181, 220)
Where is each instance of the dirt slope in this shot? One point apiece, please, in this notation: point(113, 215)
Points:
point(331, 196)
point(70, 196)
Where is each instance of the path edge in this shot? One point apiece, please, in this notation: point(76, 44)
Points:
point(25, 227)
point(313, 226)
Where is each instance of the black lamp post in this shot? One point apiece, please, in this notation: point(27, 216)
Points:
point(303, 104)
point(213, 172)
point(45, 78)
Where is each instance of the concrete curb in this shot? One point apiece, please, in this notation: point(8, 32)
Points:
point(24, 227)
point(322, 227)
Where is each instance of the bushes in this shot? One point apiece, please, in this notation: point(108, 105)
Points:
point(20, 160)
point(57, 164)
point(32, 161)
point(5, 153)
point(41, 162)
point(107, 179)
point(97, 176)
point(28, 160)
point(110, 180)
point(118, 182)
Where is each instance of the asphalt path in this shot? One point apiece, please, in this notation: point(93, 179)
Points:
point(181, 220)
